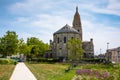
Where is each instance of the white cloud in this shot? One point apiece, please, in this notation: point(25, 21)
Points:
point(21, 19)
point(101, 34)
point(44, 37)
point(29, 7)
point(36, 6)
point(42, 26)
point(113, 7)
point(114, 4)
point(103, 6)
point(51, 21)
point(44, 17)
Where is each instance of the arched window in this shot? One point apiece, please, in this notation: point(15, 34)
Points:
point(58, 40)
point(64, 39)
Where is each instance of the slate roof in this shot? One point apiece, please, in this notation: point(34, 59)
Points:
point(66, 29)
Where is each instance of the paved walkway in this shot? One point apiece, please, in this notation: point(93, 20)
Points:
point(21, 72)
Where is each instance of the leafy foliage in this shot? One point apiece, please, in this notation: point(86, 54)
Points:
point(45, 60)
point(6, 61)
point(9, 43)
point(37, 47)
point(23, 48)
point(75, 49)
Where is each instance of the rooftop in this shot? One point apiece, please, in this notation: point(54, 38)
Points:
point(66, 29)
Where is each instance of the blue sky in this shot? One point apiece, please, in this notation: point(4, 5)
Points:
point(41, 18)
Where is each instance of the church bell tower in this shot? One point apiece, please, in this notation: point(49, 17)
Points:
point(77, 23)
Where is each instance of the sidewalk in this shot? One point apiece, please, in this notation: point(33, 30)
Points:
point(21, 72)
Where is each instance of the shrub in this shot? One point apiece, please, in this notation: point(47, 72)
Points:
point(6, 61)
point(93, 60)
point(49, 60)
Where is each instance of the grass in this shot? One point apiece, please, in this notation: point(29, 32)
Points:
point(57, 71)
point(51, 71)
point(6, 71)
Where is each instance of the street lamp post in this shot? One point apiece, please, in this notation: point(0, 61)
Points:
point(100, 54)
point(100, 50)
point(107, 46)
point(108, 55)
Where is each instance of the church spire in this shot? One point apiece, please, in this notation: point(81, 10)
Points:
point(77, 22)
point(76, 8)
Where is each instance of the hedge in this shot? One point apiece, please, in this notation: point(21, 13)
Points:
point(93, 60)
point(6, 61)
point(49, 60)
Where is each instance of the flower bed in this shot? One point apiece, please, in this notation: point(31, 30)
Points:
point(93, 73)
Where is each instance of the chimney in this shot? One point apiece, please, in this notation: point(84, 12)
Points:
point(91, 39)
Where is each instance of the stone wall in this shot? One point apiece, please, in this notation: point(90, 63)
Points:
point(61, 46)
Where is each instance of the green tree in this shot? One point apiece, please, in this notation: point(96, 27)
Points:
point(9, 43)
point(33, 41)
point(75, 48)
point(37, 47)
point(1, 47)
point(23, 47)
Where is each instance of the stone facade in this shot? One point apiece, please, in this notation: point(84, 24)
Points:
point(113, 55)
point(59, 44)
point(88, 48)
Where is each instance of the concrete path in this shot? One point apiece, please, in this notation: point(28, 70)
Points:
point(21, 72)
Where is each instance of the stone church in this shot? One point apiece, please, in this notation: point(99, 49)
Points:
point(58, 47)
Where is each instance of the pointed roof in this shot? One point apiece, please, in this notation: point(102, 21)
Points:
point(76, 8)
point(66, 29)
point(76, 19)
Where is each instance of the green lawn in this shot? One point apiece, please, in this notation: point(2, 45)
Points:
point(51, 71)
point(6, 71)
point(57, 71)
